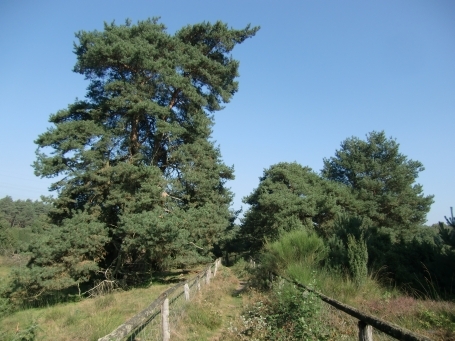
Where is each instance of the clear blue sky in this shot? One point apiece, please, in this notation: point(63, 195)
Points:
point(316, 73)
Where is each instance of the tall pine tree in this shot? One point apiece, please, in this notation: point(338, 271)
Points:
point(139, 180)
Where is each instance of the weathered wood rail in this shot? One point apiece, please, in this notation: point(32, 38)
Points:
point(161, 306)
point(366, 321)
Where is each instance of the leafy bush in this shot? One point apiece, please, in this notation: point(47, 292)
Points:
point(288, 314)
point(291, 197)
point(295, 315)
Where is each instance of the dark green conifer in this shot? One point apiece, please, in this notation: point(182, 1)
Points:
point(134, 160)
point(289, 197)
point(382, 180)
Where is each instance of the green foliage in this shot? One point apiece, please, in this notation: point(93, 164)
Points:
point(134, 159)
point(5, 306)
point(296, 254)
point(451, 220)
point(22, 213)
point(290, 197)
point(348, 248)
point(382, 180)
point(241, 268)
point(447, 232)
point(16, 221)
point(431, 319)
point(420, 263)
point(7, 241)
point(287, 315)
point(28, 333)
point(295, 315)
point(358, 259)
point(65, 256)
point(366, 206)
point(297, 247)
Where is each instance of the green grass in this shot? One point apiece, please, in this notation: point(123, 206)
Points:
point(224, 312)
point(5, 267)
point(89, 319)
point(209, 314)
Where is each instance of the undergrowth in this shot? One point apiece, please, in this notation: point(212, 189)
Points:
point(278, 311)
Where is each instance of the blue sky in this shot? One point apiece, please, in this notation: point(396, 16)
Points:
point(317, 73)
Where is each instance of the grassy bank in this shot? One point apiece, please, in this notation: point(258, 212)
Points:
point(229, 310)
point(88, 319)
point(210, 311)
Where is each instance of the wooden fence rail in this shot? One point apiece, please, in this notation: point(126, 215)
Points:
point(161, 306)
point(366, 321)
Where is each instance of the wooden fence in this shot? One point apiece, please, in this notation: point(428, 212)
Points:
point(155, 321)
point(366, 321)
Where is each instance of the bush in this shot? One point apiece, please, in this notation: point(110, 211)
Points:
point(287, 314)
point(349, 231)
point(7, 241)
point(295, 315)
point(358, 259)
point(241, 268)
point(299, 247)
point(419, 262)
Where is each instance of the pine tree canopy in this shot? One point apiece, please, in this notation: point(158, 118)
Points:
point(289, 197)
point(133, 160)
point(382, 180)
point(366, 180)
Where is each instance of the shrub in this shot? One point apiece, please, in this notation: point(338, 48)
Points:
point(358, 259)
point(295, 247)
point(345, 227)
point(286, 314)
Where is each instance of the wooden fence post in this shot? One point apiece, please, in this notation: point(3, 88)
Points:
point(187, 292)
point(365, 331)
point(209, 274)
point(216, 268)
point(165, 320)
